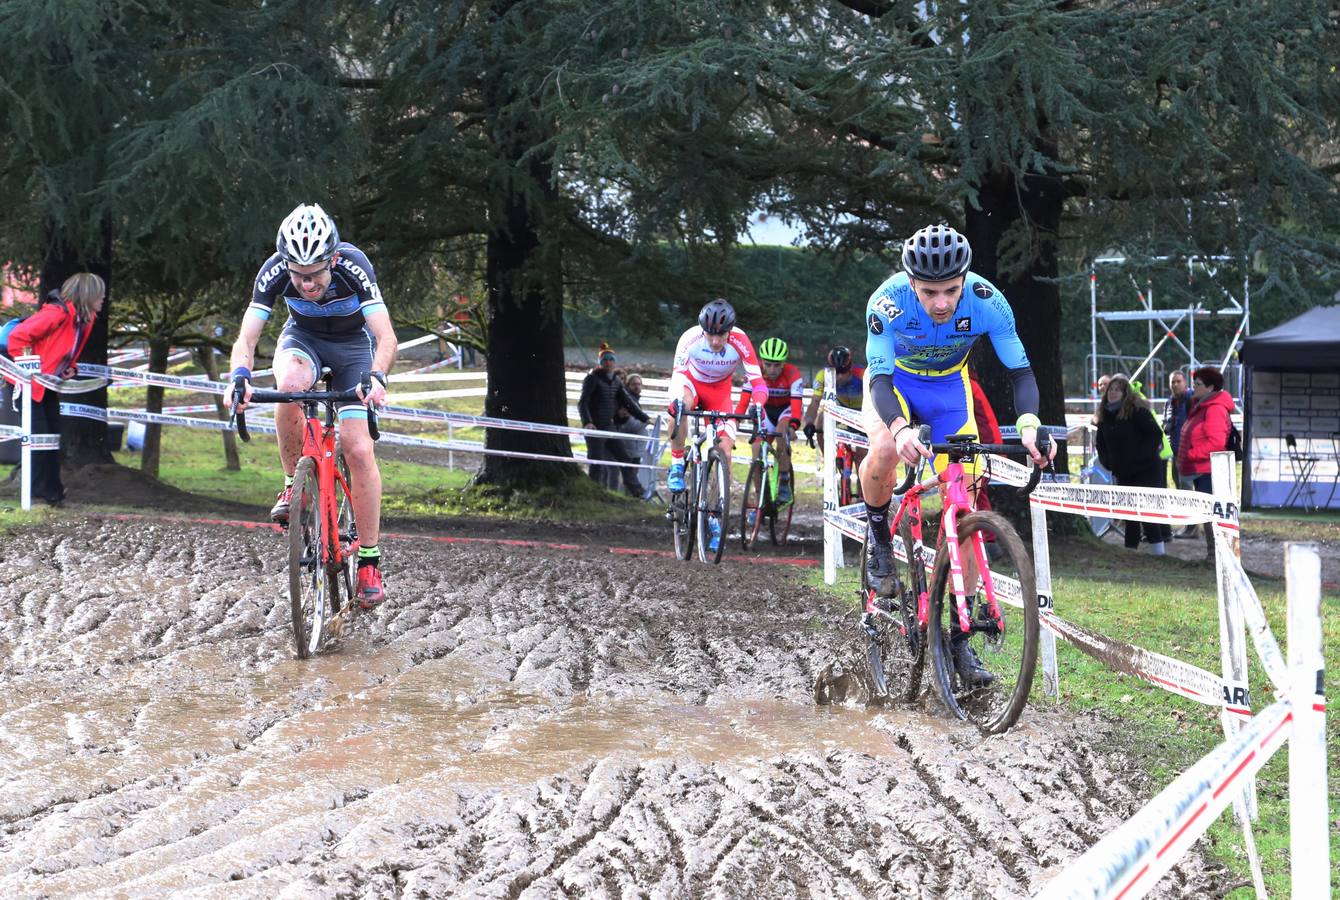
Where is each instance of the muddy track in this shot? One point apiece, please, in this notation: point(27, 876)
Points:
point(515, 722)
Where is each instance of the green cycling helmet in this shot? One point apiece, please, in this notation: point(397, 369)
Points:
point(773, 350)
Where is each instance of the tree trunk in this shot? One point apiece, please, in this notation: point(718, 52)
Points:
point(159, 351)
point(525, 299)
point(83, 440)
point(525, 351)
point(1034, 205)
point(231, 462)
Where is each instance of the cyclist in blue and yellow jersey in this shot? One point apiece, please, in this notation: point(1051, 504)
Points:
point(920, 325)
point(781, 411)
point(336, 319)
point(849, 386)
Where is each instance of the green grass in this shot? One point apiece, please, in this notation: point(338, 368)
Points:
point(1169, 606)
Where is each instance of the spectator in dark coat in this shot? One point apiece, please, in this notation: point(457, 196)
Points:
point(1175, 412)
point(57, 333)
point(632, 451)
point(1205, 432)
point(602, 395)
point(1129, 441)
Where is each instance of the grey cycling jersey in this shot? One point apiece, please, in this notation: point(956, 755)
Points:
point(353, 293)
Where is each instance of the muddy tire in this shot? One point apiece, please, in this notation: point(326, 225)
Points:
point(896, 643)
point(308, 581)
point(779, 523)
point(683, 514)
point(752, 506)
point(713, 504)
point(342, 578)
point(1009, 652)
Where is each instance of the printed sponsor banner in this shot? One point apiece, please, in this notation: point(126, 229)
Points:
point(1172, 675)
point(854, 438)
point(83, 411)
point(849, 417)
point(1137, 504)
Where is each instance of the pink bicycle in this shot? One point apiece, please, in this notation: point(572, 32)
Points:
point(944, 617)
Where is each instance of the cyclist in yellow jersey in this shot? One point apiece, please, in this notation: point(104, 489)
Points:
point(849, 390)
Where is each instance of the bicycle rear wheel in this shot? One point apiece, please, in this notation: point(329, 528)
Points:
point(309, 582)
point(896, 646)
point(1006, 643)
point(683, 508)
point(752, 506)
point(713, 506)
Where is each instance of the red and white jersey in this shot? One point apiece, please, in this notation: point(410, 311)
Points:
point(697, 361)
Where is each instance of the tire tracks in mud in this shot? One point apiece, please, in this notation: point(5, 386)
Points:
point(516, 721)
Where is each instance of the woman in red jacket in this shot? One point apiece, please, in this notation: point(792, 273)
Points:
point(1205, 432)
point(57, 333)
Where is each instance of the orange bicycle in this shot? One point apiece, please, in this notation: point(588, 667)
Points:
point(321, 530)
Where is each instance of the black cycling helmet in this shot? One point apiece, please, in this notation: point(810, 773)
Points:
point(717, 317)
point(840, 359)
point(936, 253)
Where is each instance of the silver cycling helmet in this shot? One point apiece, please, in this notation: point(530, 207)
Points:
point(308, 236)
point(717, 317)
point(936, 253)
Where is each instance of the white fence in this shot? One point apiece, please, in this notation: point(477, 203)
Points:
point(1249, 741)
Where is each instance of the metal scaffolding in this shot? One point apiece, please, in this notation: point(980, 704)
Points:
point(1167, 320)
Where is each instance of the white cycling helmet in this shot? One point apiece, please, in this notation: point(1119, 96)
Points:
point(308, 236)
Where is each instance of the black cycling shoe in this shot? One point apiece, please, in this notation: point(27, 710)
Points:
point(879, 565)
point(966, 663)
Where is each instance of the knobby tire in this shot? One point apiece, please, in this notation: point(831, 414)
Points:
point(1013, 658)
point(896, 652)
point(307, 583)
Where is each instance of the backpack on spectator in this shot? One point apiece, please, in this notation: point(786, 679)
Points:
point(10, 324)
point(1234, 441)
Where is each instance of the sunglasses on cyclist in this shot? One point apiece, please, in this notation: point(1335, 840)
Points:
point(310, 276)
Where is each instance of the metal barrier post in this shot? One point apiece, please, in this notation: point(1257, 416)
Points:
point(1042, 576)
point(451, 454)
point(1309, 848)
point(1232, 628)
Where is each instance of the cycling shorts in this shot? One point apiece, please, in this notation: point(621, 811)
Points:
point(772, 415)
point(942, 401)
point(706, 395)
point(347, 357)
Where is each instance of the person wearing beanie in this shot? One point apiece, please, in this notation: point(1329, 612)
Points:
point(603, 393)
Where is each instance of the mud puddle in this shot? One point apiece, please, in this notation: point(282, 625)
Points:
point(514, 722)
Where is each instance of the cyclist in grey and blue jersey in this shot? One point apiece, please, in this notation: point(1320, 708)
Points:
point(337, 319)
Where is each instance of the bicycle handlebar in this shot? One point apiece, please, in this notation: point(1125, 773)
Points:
point(968, 448)
point(261, 395)
point(754, 418)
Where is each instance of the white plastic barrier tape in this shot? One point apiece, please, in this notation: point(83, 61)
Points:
point(1128, 862)
point(1172, 675)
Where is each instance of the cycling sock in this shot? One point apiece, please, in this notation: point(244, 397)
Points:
point(369, 556)
point(677, 455)
point(288, 481)
point(878, 517)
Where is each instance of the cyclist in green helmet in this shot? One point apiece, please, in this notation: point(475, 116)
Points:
point(781, 411)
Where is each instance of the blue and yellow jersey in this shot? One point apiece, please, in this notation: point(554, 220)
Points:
point(900, 334)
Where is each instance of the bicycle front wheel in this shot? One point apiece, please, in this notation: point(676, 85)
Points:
point(779, 523)
point(683, 508)
point(342, 575)
point(308, 581)
point(751, 509)
point(713, 507)
point(896, 647)
point(1004, 635)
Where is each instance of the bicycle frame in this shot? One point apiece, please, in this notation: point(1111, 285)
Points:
point(322, 450)
point(956, 502)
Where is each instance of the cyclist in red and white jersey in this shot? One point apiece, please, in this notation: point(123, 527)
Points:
point(705, 359)
point(781, 413)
